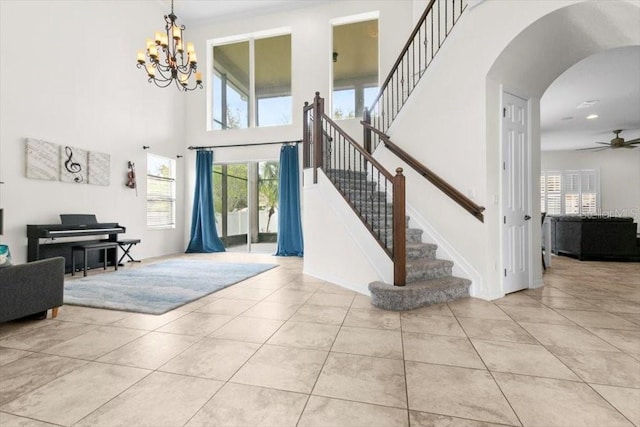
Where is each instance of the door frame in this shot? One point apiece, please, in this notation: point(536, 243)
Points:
point(529, 185)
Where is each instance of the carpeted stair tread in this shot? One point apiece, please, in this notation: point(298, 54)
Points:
point(418, 294)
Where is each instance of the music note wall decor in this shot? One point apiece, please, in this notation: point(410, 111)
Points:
point(74, 165)
point(50, 161)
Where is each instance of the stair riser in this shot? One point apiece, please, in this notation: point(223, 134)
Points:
point(367, 197)
point(398, 298)
point(347, 175)
point(374, 208)
point(412, 235)
point(355, 184)
point(415, 254)
point(420, 274)
point(380, 222)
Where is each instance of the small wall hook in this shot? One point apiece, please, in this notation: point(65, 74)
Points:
point(144, 147)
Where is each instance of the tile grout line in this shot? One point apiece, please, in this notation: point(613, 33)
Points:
point(325, 361)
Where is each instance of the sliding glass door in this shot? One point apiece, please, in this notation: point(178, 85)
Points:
point(246, 202)
point(268, 201)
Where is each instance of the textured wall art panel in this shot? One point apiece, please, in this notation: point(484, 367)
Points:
point(99, 168)
point(43, 160)
point(73, 164)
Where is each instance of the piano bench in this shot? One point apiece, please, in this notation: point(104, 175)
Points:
point(93, 246)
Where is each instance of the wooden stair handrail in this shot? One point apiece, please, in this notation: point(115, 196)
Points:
point(353, 142)
point(404, 50)
point(468, 204)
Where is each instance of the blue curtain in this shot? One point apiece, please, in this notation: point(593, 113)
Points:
point(204, 236)
point(289, 220)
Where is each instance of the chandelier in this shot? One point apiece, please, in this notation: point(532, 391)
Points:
point(168, 61)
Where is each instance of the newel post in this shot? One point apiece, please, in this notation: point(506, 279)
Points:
point(318, 110)
point(306, 140)
point(366, 117)
point(399, 230)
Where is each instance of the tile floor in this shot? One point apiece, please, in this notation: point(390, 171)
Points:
point(285, 349)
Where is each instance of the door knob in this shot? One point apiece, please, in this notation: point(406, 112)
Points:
point(527, 217)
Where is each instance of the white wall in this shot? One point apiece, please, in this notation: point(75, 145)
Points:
point(619, 172)
point(68, 76)
point(337, 247)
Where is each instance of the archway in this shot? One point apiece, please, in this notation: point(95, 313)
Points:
point(526, 67)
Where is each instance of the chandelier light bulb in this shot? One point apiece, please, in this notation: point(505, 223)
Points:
point(168, 62)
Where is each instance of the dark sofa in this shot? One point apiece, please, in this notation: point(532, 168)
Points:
point(31, 288)
point(584, 237)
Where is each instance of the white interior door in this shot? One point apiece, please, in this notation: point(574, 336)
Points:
point(515, 193)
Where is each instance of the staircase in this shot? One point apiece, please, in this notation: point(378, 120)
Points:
point(374, 193)
point(429, 279)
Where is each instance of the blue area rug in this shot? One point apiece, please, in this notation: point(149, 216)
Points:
point(157, 288)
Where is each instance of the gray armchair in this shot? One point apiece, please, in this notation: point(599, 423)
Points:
point(31, 288)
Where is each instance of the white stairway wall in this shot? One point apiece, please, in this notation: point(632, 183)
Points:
point(337, 246)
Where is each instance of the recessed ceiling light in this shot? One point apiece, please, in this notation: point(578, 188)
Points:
point(587, 104)
point(592, 116)
point(567, 118)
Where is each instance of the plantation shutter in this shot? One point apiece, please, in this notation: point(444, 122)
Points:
point(572, 192)
point(589, 193)
point(554, 191)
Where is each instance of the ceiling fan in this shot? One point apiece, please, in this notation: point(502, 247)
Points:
point(616, 142)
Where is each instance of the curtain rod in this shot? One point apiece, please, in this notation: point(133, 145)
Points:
point(191, 147)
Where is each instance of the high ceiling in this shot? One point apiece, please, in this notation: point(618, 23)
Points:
point(610, 77)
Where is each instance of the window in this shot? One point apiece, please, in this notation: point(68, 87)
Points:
point(252, 83)
point(570, 192)
point(161, 192)
point(355, 67)
point(273, 81)
point(231, 86)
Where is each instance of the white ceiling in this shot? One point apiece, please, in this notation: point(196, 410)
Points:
point(612, 77)
point(197, 11)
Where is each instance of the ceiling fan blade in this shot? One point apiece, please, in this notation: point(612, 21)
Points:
point(633, 141)
point(603, 148)
point(628, 146)
point(604, 143)
point(592, 148)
